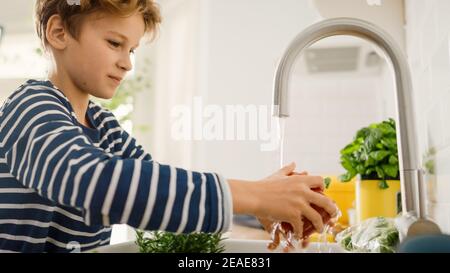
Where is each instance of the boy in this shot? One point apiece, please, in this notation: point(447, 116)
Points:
point(68, 171)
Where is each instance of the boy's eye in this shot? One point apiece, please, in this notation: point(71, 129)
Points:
point(118, 44)
point(114, 43)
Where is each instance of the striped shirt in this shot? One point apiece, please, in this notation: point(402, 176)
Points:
point(62, 185)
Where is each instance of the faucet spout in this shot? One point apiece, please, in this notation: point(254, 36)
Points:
point(410, 172)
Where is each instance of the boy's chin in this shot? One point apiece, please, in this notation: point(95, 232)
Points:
point(105, 94)
point(106, 97)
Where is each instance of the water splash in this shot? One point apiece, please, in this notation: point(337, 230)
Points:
point(282, 133)
point(323, 245)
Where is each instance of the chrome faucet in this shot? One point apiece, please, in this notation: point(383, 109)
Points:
point(411, 175)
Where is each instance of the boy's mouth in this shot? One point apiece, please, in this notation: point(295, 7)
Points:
point(115, 79)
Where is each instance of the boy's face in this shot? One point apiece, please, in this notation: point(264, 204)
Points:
point(98, 60)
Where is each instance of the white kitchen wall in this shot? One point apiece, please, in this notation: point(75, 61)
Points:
point(19, 60)
point(328, 108)
point(19, 57)
point(326, 117)
point(428, 46)
point(225, 53)
point(387, 14)
point(245, 41)
point(175, 64)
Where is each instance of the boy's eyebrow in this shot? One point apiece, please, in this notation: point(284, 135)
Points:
point(121, 36)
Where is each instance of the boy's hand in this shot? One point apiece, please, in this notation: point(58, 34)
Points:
point(285, 171)
point(269, 225)
point(286, 195)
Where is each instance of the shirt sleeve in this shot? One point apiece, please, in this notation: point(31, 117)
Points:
point(130, 149)
point(46, 151)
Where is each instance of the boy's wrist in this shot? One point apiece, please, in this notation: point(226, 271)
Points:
point(244, 196)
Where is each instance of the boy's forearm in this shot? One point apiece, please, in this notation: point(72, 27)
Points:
point(244, 196)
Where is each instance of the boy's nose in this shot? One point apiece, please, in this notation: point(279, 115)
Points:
point(125, 64)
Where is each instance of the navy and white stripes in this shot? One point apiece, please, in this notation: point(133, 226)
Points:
point(62, 183)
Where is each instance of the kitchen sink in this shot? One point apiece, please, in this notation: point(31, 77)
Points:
point(232, 246)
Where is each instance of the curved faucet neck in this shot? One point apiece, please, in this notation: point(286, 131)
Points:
point(410, 173)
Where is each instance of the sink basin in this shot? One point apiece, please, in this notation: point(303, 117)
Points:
point(232, 246)
point(260, 246)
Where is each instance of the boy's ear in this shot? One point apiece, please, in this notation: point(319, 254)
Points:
point(55, 33)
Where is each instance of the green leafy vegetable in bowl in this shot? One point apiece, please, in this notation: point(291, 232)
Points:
point(168, 242)
point(374, 235)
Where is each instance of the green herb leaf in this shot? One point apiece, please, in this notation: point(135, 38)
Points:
point(379, 171)
point(382, 184)
point(369, 171)
point(390, 170)
point(346, 177)
point(327, 182)
point(349, 149)
point(379, 155)
point(393, 160)
point(360, 169)
point(168, 242)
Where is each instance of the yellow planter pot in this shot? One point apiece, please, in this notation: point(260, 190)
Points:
point(371, 201)
point(344, 196)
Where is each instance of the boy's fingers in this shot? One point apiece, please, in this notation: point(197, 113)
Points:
point(300, 173)
point(288, 169)
point(314, 217)
point(298, 228)
point(305, 243)
point(315, 182)
point(324, 202)
point(266, 223)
